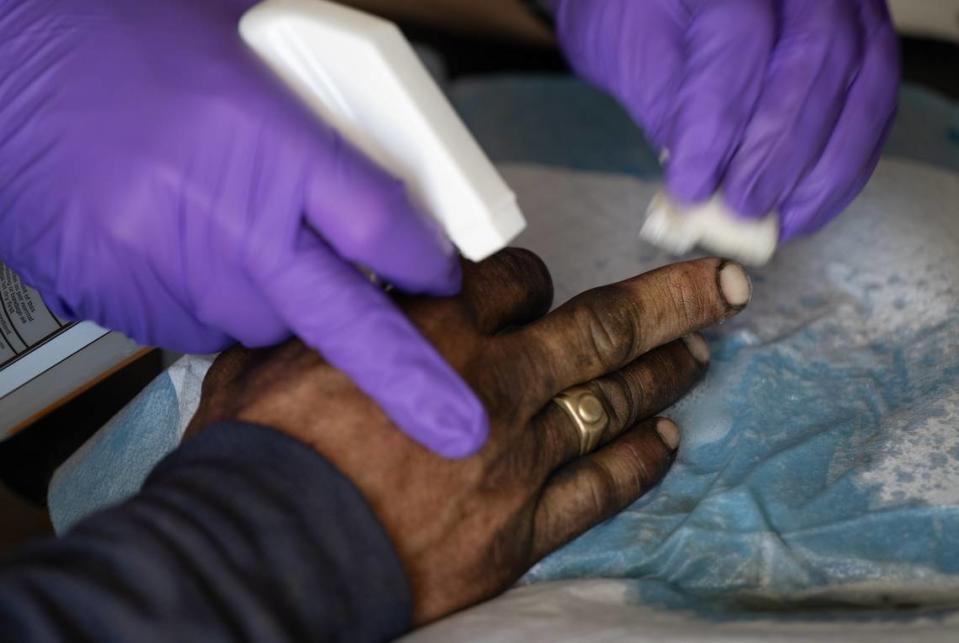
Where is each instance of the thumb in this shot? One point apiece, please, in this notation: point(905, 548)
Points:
point(356, 327)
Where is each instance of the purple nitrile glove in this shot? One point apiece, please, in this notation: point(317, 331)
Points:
point(156, 179)
point(783, 104)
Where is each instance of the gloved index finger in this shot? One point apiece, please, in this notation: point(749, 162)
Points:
point(335, 310)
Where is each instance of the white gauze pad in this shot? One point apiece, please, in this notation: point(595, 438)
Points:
point(712, 226)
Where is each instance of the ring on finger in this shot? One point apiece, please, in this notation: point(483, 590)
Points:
point(587, 413)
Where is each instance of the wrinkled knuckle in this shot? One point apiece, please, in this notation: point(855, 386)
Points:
point(606, 339)
point(619, 397)
point(610, 330)
point(637, 460)
point(691, 307)
point(602, 487)
point(689, 297)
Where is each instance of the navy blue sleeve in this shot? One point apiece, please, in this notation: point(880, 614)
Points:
point(241, 534)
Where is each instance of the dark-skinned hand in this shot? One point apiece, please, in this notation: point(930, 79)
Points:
point(465, 530)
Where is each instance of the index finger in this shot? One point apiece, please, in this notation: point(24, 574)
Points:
point(604, 329)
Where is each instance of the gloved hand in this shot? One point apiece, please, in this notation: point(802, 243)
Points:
point(783, 104)
point(154, 178)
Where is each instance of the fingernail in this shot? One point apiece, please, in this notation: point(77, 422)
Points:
point(668, 433)
point(734, 284)
point(697, 347)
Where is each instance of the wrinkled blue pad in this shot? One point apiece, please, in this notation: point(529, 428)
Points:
point(558, 120)
point(820, 457)
point(112, 465)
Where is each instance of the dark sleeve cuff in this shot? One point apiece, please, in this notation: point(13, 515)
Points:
point(297, 526)
point(241, 534)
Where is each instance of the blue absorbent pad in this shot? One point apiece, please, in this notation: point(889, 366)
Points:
point(823, 445)
point(113, 464)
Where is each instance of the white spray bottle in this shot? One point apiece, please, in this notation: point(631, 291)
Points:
point(360, 75)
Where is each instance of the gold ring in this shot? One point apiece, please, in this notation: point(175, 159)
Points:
point(588, 415)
